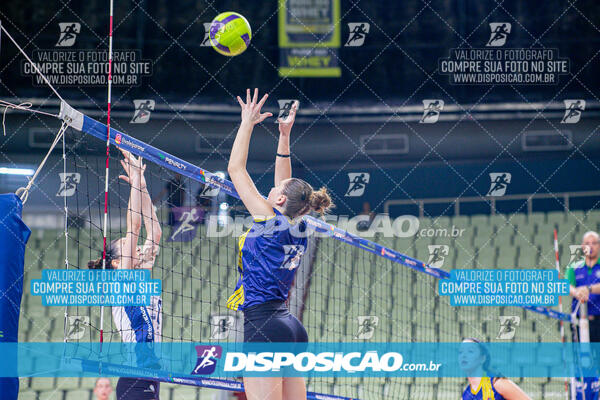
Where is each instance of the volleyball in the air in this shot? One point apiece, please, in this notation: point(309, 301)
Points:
point(230, 33)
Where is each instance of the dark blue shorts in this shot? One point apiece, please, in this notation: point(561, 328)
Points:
point(272, 322)
point(137, 389)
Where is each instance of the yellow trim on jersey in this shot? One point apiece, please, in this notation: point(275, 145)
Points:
point(485, 385)
point(237, 297)
point(241, 242)
point(234, 300)
point(264, 219)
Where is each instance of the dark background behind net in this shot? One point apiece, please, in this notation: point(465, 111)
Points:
point(405, 41)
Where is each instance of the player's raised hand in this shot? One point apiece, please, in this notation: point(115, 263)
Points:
point(251, 109)
point(134, 168)
point(285, 125)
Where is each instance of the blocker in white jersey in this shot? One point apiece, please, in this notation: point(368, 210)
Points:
point(138, 324)
point(141, 323)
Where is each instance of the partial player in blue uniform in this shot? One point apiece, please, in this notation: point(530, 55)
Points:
point(587, 388)
point(584, 278)
point(484, 384)
point(271, 250)
point(137, 324)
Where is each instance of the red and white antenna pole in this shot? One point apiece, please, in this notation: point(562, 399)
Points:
point(560, 306)
point(105, 224)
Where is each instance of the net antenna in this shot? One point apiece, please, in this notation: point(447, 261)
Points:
point(584, 341)
point(109, 95)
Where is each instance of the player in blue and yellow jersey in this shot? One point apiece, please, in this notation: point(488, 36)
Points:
point(270, 252)
point(484, 384)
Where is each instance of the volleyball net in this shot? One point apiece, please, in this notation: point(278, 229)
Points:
point(347, 289)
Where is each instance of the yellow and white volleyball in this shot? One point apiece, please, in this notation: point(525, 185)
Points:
point(230, 33)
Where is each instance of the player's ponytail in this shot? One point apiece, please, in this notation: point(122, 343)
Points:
point(113, 252)
point(301, 198)
point(95, 264)
point(320, 201)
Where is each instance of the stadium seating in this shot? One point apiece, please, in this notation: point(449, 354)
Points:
point(346, 283)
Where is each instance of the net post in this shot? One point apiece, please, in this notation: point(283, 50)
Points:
point(560, 305)
point(584, 324)
point(584, 336)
